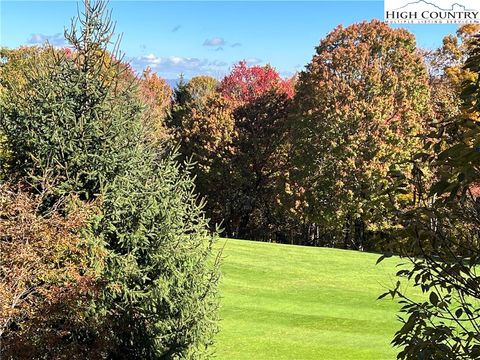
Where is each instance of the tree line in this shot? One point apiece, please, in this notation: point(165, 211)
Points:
point(308, 160)
point(374, 146)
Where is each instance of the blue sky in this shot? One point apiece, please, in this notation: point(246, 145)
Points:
point(206, 37)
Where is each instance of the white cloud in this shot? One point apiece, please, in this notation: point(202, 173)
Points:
point(55, 40)
point(170, 67)
point(253, 61)
point(216, 41)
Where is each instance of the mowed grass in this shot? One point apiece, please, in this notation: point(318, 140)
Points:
point(295, 302)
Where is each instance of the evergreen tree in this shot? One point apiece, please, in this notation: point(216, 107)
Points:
point(75, 127)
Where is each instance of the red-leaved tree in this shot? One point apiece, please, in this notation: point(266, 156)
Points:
point(244, 84)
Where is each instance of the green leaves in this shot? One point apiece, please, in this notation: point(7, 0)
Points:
point(440, 187)
point(440, 233)
point(383, 257)
point(74, 127)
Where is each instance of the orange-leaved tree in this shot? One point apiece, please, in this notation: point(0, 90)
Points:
point(50, 270)
point(360, 104)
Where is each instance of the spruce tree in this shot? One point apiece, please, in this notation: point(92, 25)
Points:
point(73, 126)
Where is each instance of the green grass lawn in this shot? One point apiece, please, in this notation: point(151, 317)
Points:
point(295, 302)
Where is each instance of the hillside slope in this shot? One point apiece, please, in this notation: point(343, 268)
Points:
point(293, 302)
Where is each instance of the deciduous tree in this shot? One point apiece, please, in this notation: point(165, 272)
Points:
point(260, 164)
point(440, 237)
point(359, 105)
point(157, 95)
point(50, 271)
point(245, 83)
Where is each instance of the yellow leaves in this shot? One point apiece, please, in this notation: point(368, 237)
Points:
point(350, 194)
point(209, 128)
point(288, 189)
point(467, 31)
point(156, 93)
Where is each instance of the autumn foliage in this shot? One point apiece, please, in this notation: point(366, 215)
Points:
point(360, 105)
point(48, 280)
point(156, 94)
point(75, 131)
point(244, 84)
point(107, 233)
point(236, 133)
point(439, 234)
